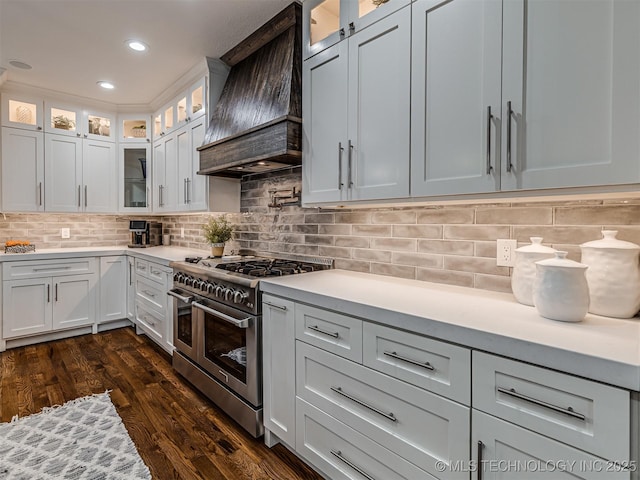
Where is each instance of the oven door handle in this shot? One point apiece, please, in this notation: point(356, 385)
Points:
point(242, 323)
point(180, 297)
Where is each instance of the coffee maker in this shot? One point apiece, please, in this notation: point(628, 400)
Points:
point(145, 234)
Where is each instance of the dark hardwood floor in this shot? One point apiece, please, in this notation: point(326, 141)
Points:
point(179, 433)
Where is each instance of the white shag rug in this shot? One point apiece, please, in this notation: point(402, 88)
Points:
point(80, 440)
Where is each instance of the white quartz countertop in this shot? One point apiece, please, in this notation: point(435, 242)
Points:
point(162, 254)
point(601, 348)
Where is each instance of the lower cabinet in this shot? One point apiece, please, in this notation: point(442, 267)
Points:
point(113, 288)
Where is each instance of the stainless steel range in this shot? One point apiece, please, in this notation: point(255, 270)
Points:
point(218, 327)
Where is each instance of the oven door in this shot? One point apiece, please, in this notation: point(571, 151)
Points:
point(184, 326)
point(229, 348)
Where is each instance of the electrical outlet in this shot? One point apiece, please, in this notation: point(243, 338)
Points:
point(65, 233)
point(182, 232)
point(505, 252)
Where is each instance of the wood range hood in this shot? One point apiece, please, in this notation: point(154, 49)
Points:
point(256, 125)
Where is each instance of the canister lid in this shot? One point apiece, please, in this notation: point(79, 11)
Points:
point(535, 247)
point(609, 240)
point(561, 260)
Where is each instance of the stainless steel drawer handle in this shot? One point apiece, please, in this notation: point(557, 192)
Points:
point(151, 294)
point(489, 118)
point(50, 269)
point(426, 365)
point(284, 309)
point(566, 411)
point(180, 297)
point(338, 455)
point(240, 323)
point(509, 117)
point(388, 416)
point(315, 328)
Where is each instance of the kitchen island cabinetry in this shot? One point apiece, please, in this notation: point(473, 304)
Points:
point(365, 80)
point(385, 365)
point(48, 296)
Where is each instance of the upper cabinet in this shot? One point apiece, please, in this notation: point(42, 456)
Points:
point(134, 128)
point(99, 126)
point(22, 111)
point(504, 97)
point(63, 119)
point(326, 22)
point(356, 103)
point(187, 106)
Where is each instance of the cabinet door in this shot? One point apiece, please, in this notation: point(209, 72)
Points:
point(74, 301)
point(114, 278)
point(505, 451)
point(26, 307)
point(166, 167)
point(324, 126)
point(323, 25)
point(197, 100)
point(63, 119)
point(99, 126)
point(22, 170)
point(379, 106)
point(197, 185)
point(23, 112)
point(571, 75)
point(134, 177)
point(134, 128)
point(99, 175)
point(279, 384)
point(456, 61)
point(63, 173)
point(158, 176)
point(131, 289)
point(183, 161)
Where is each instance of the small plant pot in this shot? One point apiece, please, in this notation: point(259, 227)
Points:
point(217, 249)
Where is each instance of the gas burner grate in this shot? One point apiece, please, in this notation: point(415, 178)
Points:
point(269, 267)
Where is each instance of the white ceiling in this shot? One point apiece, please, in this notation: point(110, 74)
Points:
point(72, 44)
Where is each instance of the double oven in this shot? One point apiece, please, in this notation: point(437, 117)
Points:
point(218, 329)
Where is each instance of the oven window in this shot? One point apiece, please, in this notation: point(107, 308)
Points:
point(226, 346)
point(185, 324)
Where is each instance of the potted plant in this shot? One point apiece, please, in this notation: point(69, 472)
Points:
point(65, 123)
point(217, 231)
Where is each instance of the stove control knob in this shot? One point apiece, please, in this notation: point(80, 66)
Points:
point(176, 277)
point(198, 283)
point(228, 294)
point(219, 292)
point(239, 297)
point(203, 285)
point(189, 280)
point(211, 287)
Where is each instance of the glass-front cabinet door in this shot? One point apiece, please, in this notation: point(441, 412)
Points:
point(326, 22)
point(63, 119)
point(157, 125)
point(20, 111)
point(99, 126)
point(197, 99)
point(181, 111)
point(134, 128)
point(135, 186)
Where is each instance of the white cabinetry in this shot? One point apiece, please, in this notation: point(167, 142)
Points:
point(504, 99)
point(152, 313)
point(192, 188)
point(113, 288)
point(369, 75)
point(131, 288)
point(80, 175)
point(22, 111)
point(44, 296)
point(134, 128)
point(165, 174)
point(135, 177)
point(22, 170)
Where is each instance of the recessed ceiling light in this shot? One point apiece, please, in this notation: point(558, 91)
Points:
point(19, 64)
point(137, 45)
point(106, 85)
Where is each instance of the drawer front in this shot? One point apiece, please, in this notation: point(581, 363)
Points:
point(436, 366)
point(588, 415)
point(157, 273)
point(511, 452)
point(420, 426)
point(341, 453)
point(48, 268)
point(151, 321)
point(152, 293)
point(142, 268)
point(330, 331)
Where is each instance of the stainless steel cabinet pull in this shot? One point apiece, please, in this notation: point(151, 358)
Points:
point(566, 411)
point(130, 276)
point(49, 269)
point(340, 150)
point(55, 295)
point(79, 195)
point(184, 196)
point(188, 190)
point(40, 193)
point(151, 294)
point(39, 128)
point(489, 118)
point(284, 309)
point(388, 416)
point(242, 323)
point(48, 293)
point(160, 199)
point(85, 195)
point(480, 465)
point(509, 115)
point(426, 365)
point(350, 158)
point(315, 328)
point(338, 455)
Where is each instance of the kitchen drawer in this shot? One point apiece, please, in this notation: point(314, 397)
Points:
point(152, 322)
point(342, 453)
point(430, 364)
point(420, 426)
point(588, 415)
point(330, 331)
point(157, 273)
point(48, 268)
point(152, 293)
point(509, 452)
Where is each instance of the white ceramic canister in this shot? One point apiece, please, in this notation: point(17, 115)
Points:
point(560, 290)
point(524, 271)
point(613, 275)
